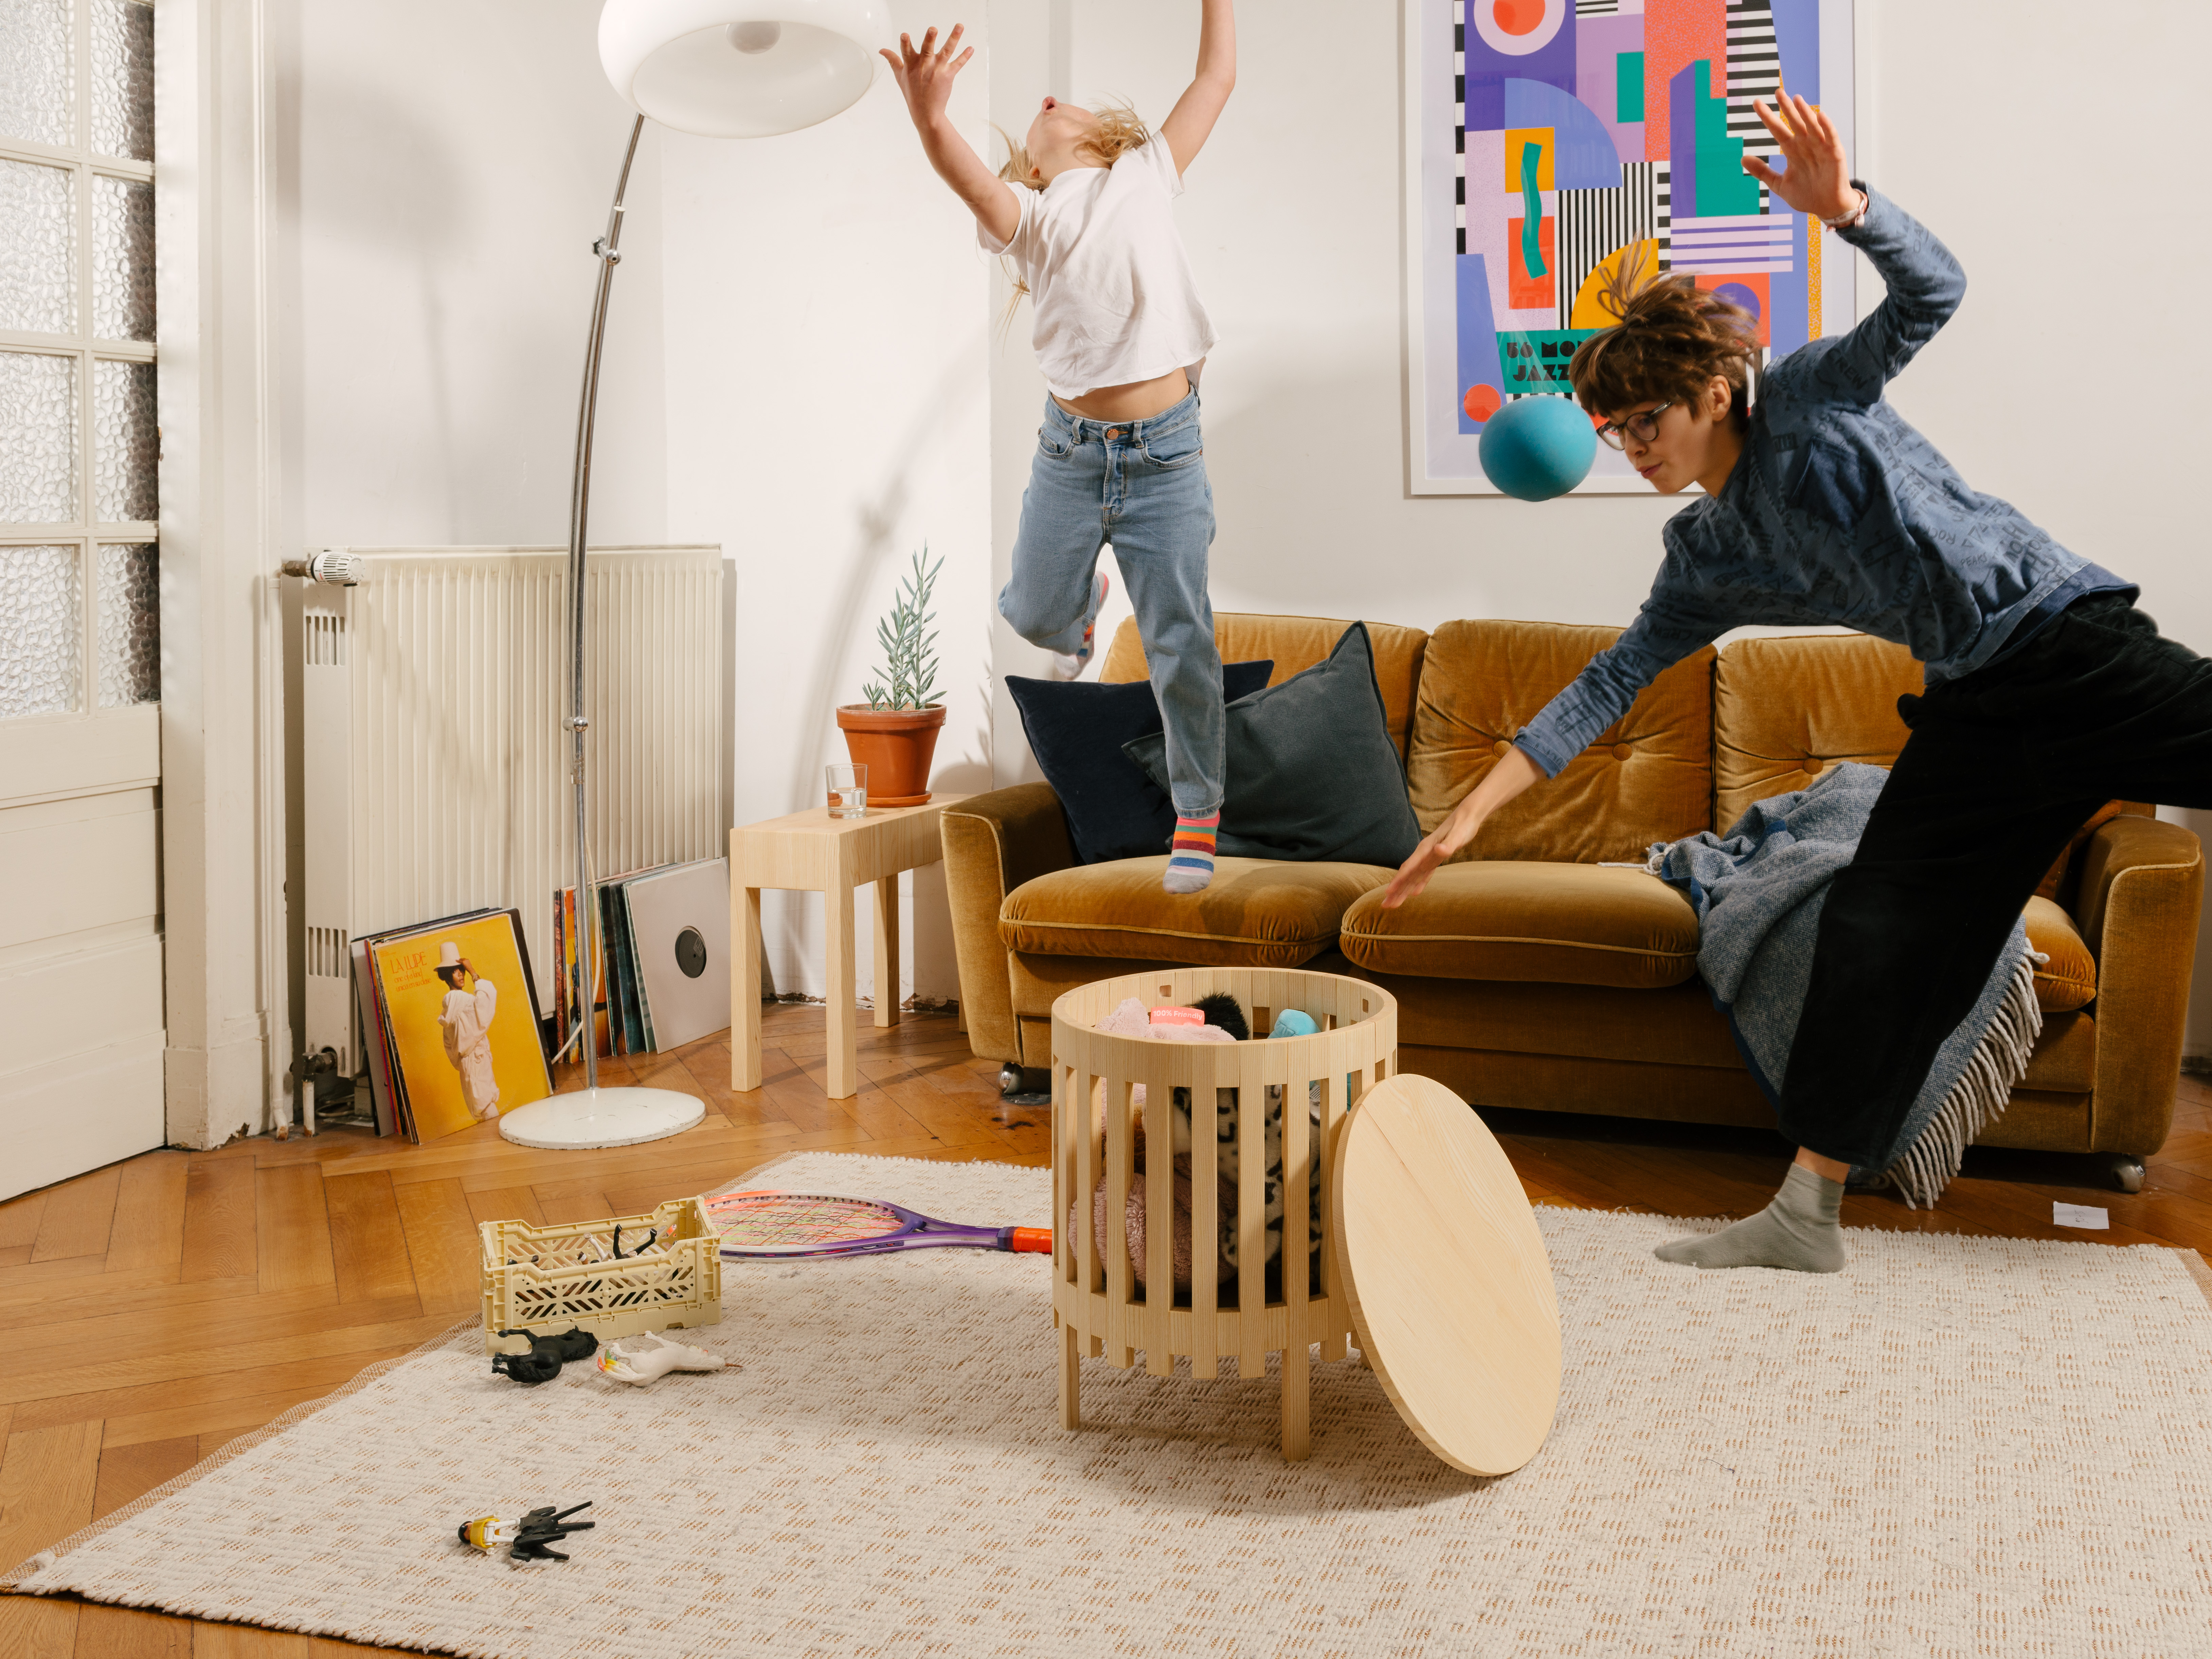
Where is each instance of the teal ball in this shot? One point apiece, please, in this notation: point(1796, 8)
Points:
point(1536, 448)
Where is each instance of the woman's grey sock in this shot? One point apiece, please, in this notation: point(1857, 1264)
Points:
point(1798, 1230)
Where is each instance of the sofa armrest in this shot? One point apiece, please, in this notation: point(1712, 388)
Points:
point(2142, 886)
point(992, 844)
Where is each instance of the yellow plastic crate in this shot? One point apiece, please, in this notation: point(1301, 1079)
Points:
point(543, 1279)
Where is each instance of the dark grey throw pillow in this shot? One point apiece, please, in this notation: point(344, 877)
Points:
point(1312, 772)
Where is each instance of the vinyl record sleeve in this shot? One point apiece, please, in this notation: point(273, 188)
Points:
point(386, 1051)
point(468, 1047)
point(375, 1059)
point(680, 921)
point(622, 1003)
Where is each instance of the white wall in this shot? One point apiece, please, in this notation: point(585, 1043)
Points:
point(455, 164)
point(1294, 220)
point(793, 364)
point(827, 416)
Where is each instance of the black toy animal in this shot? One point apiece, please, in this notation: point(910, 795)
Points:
point(542, 1363)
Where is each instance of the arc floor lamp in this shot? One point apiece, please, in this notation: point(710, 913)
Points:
point(722, 68)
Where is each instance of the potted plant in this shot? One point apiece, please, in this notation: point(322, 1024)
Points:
point(894, 732)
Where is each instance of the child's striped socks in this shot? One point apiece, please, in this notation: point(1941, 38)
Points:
point(1190, 854)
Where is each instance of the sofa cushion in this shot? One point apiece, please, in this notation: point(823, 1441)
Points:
point(1295, 644)
point(2068, 980)
point(1256, 914)
point(1515, 919)
point(1076, 729)
point(1648, 777)
point(1313, 775)
point(1787, 709)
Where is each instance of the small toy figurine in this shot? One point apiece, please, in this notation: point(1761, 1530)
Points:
point(643, 1358)
point(529, 1539)
point(542, 1363)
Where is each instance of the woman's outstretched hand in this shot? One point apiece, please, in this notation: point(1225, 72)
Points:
point(924, 77)
point(1819, 179)
point(1413, 874)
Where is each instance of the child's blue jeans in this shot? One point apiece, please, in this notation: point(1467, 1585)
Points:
point(1141, 486)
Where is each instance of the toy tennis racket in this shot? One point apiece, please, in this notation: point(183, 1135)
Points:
point(763, 1223)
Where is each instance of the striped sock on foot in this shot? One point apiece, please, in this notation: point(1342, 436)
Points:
point(1190, 854)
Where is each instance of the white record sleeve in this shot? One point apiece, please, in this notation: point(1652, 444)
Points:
point(680, 921)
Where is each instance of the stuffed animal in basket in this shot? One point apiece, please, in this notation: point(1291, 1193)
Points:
point(1224, 1022)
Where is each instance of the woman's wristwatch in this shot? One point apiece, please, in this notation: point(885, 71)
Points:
point(1845, 222)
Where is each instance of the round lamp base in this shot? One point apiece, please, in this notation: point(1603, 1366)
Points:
point(601, 1117)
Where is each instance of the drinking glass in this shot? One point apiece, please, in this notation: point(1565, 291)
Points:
point(849, 791)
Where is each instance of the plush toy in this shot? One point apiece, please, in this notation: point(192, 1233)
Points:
point(1225, 1022)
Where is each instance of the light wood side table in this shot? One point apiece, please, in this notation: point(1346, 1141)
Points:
point(812, 852)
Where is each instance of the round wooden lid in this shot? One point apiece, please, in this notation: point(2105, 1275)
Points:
point(1449, 1287)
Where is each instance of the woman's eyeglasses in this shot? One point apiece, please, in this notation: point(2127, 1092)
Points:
point(1643, 427)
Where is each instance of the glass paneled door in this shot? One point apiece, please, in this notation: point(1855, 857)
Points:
point(81, 1025)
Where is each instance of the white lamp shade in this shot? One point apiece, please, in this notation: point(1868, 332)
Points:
point(741, 68)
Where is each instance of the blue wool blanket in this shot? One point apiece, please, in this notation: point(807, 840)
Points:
point(1757, 892)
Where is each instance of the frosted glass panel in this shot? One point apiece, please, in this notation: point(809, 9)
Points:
point(39, 438)
point(41, 625)
point(129, 623)
point(34, 71)
point(122, 78)
point(122, 259)
point(38, 247)
point(125, 445)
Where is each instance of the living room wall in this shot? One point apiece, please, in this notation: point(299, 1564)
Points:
point(794, 365)
point(2007, 147)
point(822, 416)
point(824, 305)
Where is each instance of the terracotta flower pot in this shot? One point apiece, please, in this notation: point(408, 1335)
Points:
point(896, 745)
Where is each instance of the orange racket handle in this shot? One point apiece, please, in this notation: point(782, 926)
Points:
point(1030, 1238)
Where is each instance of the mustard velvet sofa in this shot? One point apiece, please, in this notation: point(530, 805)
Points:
point(1533, 976)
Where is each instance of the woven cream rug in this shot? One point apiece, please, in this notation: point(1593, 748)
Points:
point(1957, 1447)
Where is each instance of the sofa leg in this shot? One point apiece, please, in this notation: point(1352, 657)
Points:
point(1024, 1086)
point(2127, 1172)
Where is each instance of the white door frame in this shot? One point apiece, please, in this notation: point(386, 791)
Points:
point(223, 782)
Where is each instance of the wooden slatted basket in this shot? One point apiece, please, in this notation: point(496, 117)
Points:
point(1097, 1305)
point(544, 1280)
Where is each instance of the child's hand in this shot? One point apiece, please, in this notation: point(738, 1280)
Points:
point(924, 77)
point(1819, 181)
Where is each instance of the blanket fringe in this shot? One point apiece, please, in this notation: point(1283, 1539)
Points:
point(1976, 1101)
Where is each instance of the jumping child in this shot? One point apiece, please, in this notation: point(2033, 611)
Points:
point(2048, 692)
point(1082, 209)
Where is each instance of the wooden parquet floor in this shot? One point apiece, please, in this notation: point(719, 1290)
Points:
point(161, 1306)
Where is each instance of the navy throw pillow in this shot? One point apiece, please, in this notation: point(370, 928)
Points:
point(1312, 772)
point(1077, 729)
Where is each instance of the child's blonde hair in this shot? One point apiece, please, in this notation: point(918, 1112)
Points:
point(1119, 130)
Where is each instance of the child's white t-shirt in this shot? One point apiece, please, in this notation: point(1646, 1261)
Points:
point(1112, 286)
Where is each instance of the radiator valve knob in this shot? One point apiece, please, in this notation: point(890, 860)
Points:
point(333, 566)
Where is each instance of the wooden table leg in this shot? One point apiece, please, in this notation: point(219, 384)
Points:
point(887, 951)
point(745, 989)
point(843, 1058)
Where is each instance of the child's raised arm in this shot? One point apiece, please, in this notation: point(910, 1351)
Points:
point(1200, 107)
point(925, 79)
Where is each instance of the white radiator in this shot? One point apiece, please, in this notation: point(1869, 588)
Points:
point(431, 757)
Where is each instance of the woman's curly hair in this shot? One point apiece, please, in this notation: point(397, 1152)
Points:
point(1672, 339)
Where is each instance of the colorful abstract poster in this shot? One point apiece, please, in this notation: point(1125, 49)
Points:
point(1550, 143)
